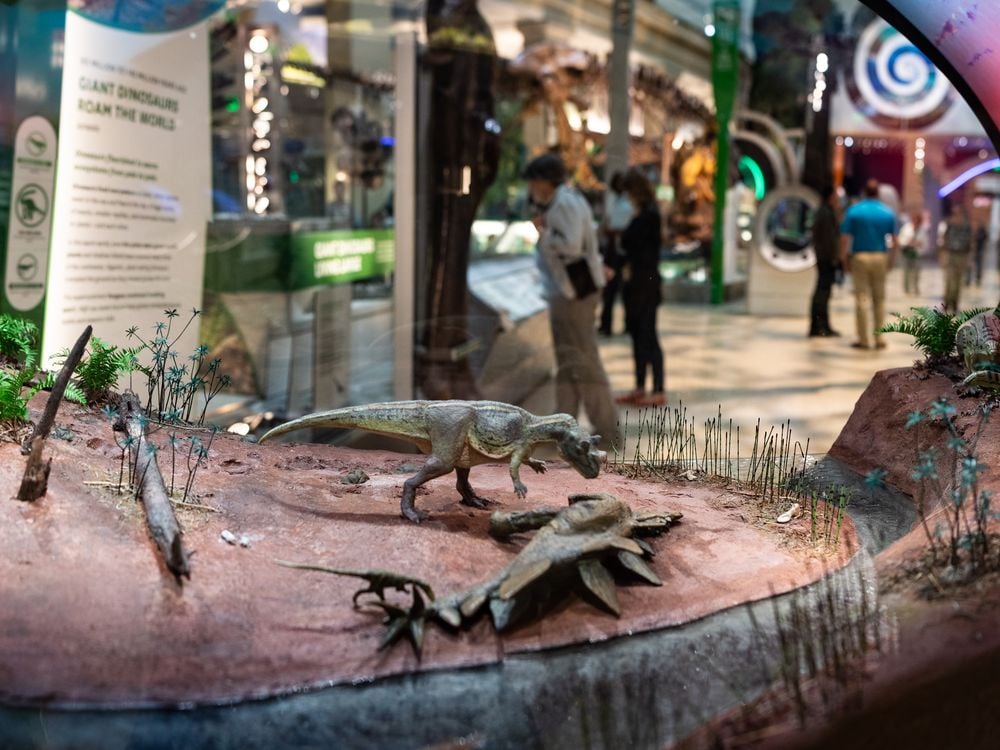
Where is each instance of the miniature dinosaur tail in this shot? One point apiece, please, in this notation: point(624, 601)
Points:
point(402, 419)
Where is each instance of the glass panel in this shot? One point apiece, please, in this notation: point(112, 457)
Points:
point(301, 252)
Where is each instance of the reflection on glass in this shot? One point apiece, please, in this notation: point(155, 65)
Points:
point(789, 225)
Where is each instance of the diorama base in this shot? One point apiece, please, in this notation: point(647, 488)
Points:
point(91, 618)
point(931, 687)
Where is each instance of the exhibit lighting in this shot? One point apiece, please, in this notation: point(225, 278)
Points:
point(752, 168)
point(969, 174)
point(258, 44)
point(819, 81)
point(257, 61)
point(710, 30)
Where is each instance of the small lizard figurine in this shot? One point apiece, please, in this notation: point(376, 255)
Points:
point(461, 434)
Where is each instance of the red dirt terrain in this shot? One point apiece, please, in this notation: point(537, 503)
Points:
point(89, 615)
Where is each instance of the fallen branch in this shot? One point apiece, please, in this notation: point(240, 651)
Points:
point(35, 482)
point(160, 518)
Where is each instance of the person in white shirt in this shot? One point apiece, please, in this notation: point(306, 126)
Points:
point(913, 243)
point(572, 277)
point(617, 215)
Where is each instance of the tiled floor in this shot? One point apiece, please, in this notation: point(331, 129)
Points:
point(767, 367)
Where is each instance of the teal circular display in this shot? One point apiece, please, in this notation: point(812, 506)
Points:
point(147, 16)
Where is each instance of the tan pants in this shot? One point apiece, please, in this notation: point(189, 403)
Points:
point(869, 271)
point(954, 269)
point(580, 377)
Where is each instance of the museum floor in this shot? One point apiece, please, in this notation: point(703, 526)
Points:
point(767, 367)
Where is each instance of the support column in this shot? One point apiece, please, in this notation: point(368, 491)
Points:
point(622, 24)
point(405, 214)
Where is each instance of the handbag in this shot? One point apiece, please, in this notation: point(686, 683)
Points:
point(580, 278)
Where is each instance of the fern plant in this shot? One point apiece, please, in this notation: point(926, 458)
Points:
point(99, 370)
point(13, 401)
point(933, 330)
point(17, 388)
point(18, 339)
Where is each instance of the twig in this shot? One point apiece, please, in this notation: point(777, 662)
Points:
point(35, 481)
point(160, 517)
point(196, 506)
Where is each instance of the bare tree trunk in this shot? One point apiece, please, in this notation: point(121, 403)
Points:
point(464, 154)
point(35, 482)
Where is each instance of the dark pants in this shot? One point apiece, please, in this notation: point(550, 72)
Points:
point(640, 317)
point(608, 297)
point(819, 321)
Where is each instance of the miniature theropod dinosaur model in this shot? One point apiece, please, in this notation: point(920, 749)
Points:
point(461, 434)
point(978, 344)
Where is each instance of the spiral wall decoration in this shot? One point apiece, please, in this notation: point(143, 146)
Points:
point(893, 83)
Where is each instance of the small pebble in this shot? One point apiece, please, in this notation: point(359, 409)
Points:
point(228, 536)
point(354, 476)
point(244, 541)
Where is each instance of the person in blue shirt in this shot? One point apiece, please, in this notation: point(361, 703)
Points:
point(868, 252)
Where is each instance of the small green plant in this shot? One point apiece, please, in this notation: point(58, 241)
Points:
point(18, 340)
point(827, 508)
point(172, 383)
point(18, 368)
point(950, 494)
point(100, 368)
point(173, 387)
point(933, 330)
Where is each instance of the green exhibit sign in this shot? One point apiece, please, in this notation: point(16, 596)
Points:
point(343, 255)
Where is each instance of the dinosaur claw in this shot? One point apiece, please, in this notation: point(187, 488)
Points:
point(521, 490)
point(475, 501)
point(412, 514)
point(538, 466)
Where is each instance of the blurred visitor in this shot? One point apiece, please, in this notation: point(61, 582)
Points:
point(975, 268)
point(913, 247)
point(572, 276)
point(617, 215)
point(641, 243)
point(956, 247)
point(338, 210)
point(868, 251)
point(826, 240)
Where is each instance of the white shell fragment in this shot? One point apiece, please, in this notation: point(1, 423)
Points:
point(228, 536)
point(794, 512)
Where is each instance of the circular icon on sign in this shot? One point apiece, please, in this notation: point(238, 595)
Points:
point(893, 83)
point(31, 205)
point(27, 267)
point(36, 144)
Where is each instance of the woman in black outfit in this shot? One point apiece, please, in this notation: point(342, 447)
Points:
point(640, 241)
